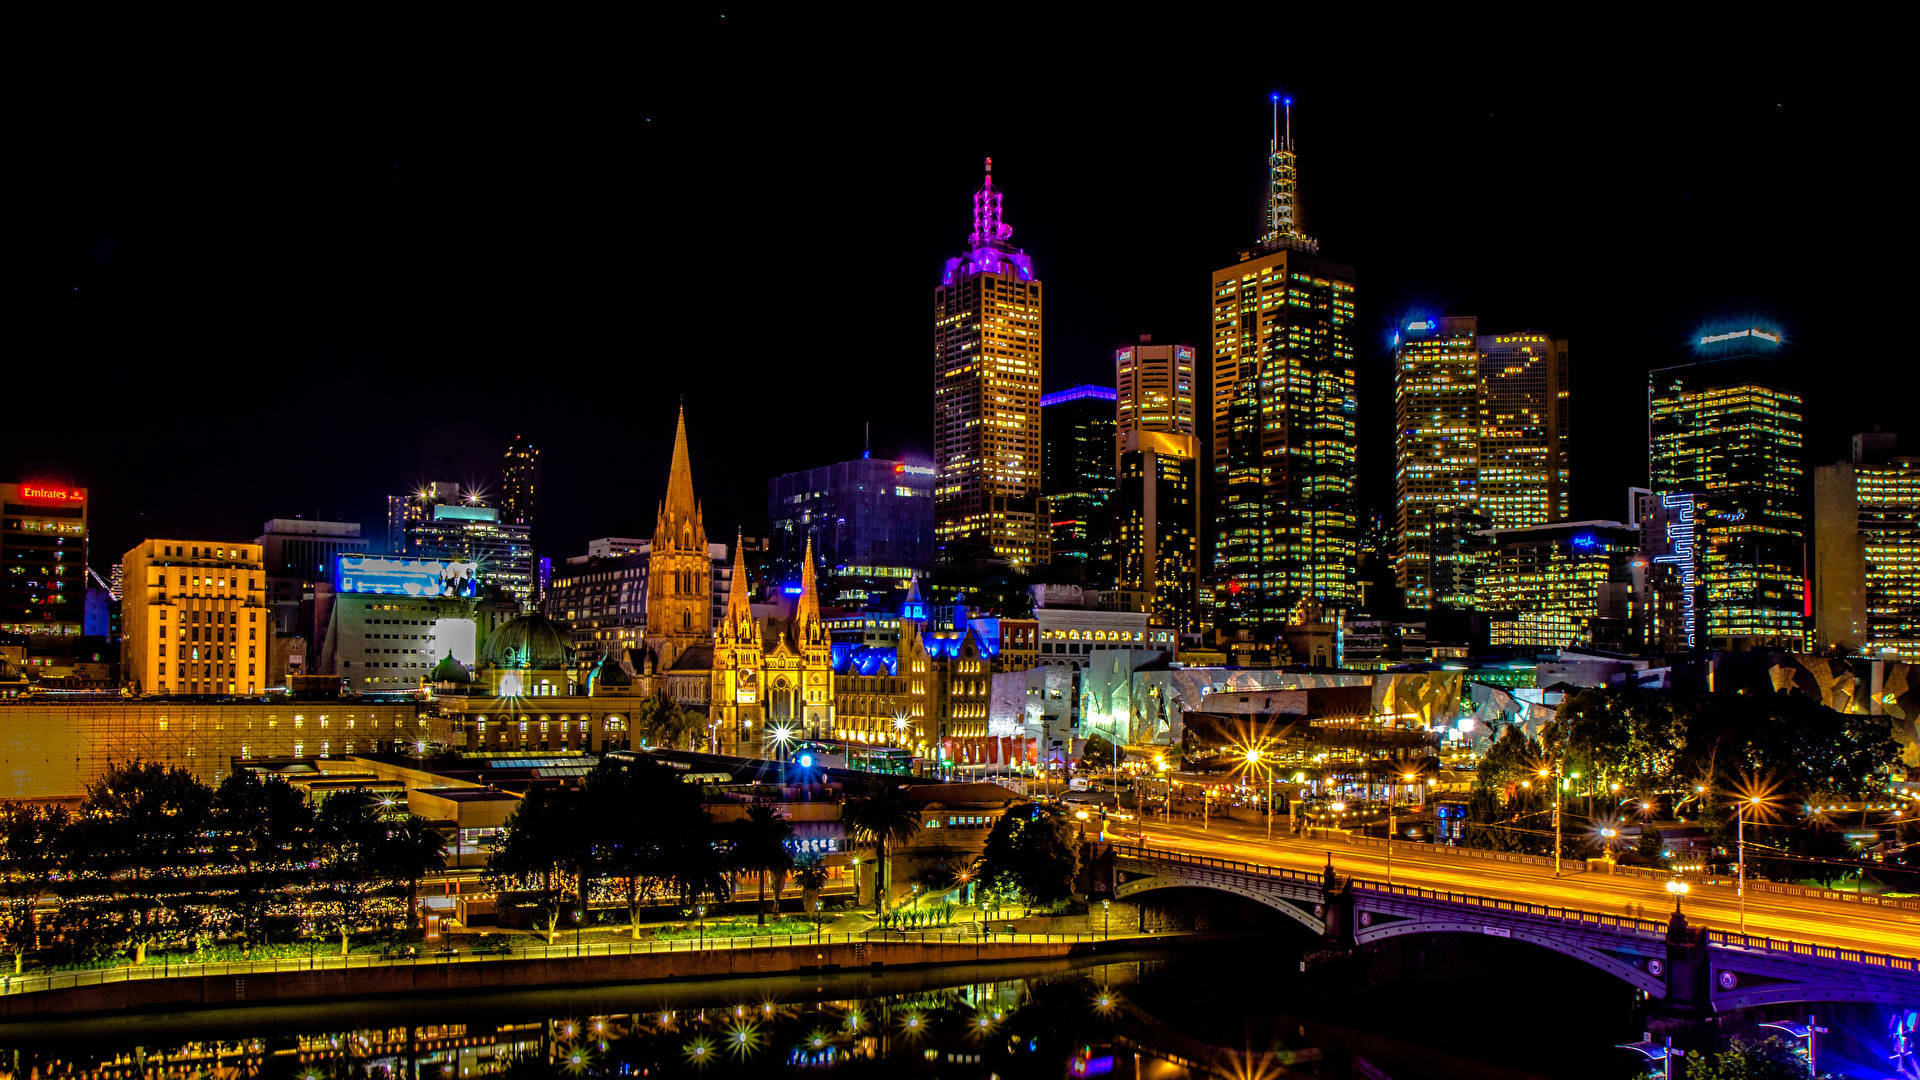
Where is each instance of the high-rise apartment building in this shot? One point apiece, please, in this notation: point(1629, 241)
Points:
point(1526, 415)
point(43, 561)
point(519, 481)
point(1727, 431)
point(194, 618)
point(1077, 477)
point(405, 511)
point(1552, 586)
point(1156, 511)
point(1480, 442)
point(1867, 551)
point(1282, 406)
point(1436, 408)
point(986, 398)
point(1155, 387)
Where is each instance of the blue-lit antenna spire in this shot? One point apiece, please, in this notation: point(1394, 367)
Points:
point(1283, 225)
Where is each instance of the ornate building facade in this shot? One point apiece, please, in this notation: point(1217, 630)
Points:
point(679, 578)
point(772, 677)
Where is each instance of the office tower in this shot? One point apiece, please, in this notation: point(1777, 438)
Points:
point(1157, 514)
point(1282, 432)
point(194, 618)
point(1552, 586)
point(1077, 477)
point(1867, 551)
point(43, 561)
point(1525, 423)
point(1727, 431)
point(405, 511)
point(519, 481)
point(1155, 387)
point(1436, 406)
point(870, 521)
point(468, 533)
point(297, 554)
point(986, 398)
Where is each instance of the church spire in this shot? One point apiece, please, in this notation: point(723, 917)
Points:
point(680, 500)
point(806, 616)
point(739, 623)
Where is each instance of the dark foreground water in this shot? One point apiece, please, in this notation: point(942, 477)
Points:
point(1472, 1009)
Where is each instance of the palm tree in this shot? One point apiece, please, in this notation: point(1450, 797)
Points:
point(810, 873)
point(884, 815)
point(760, 843)
point(412, 850)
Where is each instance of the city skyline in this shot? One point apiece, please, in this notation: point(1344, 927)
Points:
point(388, 272)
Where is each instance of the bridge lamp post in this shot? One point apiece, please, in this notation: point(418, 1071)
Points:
point(1678, 889)
point(1740, 832)
point(1556, 819)
point(1253, 761)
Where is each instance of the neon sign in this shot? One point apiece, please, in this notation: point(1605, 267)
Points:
point(1680, 536)
point(50, 493)
point(1585, 540)
point(1751, 332)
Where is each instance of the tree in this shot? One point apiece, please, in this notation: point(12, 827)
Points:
point(349, 832)
point(138, 845)
point(30, 838)
point(662, 722)
point(760, 844)
point(531, 858)
point(1097, 754)
point(262, 833)
point(1748, 1059)
point(413, 848)
point(810, 873)
point(882, 816)
point(1035, 855)
point(643, 806)
point(1651, 845)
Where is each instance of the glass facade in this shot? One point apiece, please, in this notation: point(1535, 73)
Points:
point(1724, 431)
point(870, 521)
point(1077, 476)
point(1550, 584)
point(43, 560)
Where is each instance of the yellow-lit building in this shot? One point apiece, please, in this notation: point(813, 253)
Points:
point(1867, 551)
point(1436, 411)
point(986, 398)
point(1550, 586)
point(194, 618)
point(1283, 429)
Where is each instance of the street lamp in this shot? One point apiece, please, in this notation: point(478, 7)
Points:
point(1253, 761)
point(781, 736)
point(1678, 889)
point(1740, 831)
point(1392, 825)
point(1556, 818)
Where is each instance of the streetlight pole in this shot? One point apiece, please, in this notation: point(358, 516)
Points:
point(1740, 831)
point(1253, 759)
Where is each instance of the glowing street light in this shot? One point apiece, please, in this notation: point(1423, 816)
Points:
point(1678, 889)
point(1253, 761)
point(1753, 798)
point(781, 737)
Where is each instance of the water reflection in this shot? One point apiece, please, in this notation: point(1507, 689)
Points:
point(1205, 1013)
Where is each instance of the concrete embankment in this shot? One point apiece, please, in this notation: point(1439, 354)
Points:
point(429, 978)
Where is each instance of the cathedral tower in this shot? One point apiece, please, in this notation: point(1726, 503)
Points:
point(739, 661)
point(679, 571)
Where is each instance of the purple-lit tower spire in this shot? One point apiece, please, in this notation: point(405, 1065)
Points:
point(986, 398)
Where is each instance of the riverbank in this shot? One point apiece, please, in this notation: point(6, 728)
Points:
point(242, 985)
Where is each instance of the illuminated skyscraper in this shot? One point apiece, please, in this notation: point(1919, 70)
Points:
point(1867, 551)
point(1157, 519)
point(986, 398)
point(1525, 419)
point(1282, 431)
point(43, 561)
point(1436, 408)
point(1724, 431)
point(1480, 442)
point(1077, 478)
point(1155, 388)
point(519, 481)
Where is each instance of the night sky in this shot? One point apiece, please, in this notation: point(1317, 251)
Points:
point(255, 283)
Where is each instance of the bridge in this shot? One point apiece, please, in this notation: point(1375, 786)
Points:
point(1688, 968)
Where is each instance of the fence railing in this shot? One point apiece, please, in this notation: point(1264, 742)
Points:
point(970, 933)
point(1823, 952)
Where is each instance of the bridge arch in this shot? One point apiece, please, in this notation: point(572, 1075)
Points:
point(1515, 930)
point(1262, 897)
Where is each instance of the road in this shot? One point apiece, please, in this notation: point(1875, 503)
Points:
point(1808, 919)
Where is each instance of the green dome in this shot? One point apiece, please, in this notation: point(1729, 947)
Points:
point(609, 673)
point(449, 670)
point(528, 641)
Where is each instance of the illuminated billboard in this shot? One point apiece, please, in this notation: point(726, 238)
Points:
point(392, 575)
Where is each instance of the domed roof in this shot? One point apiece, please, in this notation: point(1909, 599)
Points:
point(528, 641)
point(449, 670)
point(609, 673)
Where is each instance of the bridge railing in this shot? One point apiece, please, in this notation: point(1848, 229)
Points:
point(1821, 952)
point(1152, 855)
point(1518, 907)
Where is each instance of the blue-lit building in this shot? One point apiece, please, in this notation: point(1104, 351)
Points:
point(1077, 476)
point(870, 521)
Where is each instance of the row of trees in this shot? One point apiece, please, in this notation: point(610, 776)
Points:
point(155, 856)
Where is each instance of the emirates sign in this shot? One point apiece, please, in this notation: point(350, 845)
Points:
point(50, 493)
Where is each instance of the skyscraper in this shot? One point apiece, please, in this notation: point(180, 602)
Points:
point(1156, 509)
point(1155, 387)
point(986, 397)
point(43, 561)
point(1436, 409)
point(519, 481)
point(869, 521)
point(1726, 431)
point(1282, 413)
point(1867, 550)
point(1526, 416)
point(1077, 477)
